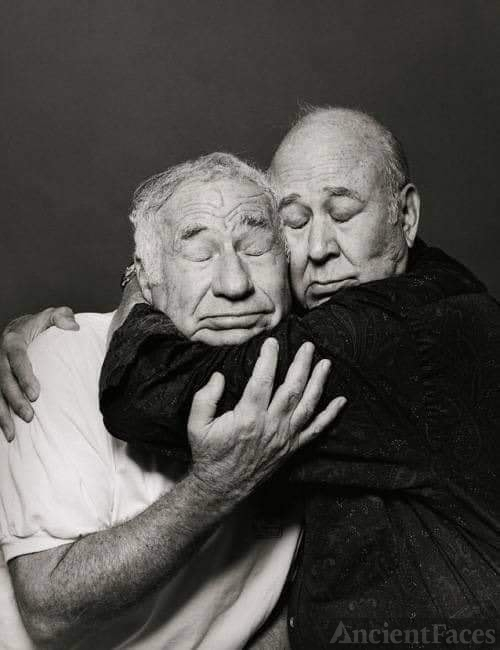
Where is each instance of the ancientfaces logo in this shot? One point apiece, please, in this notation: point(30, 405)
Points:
point(459, 634)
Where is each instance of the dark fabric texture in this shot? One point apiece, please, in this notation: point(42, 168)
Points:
point(401, 495)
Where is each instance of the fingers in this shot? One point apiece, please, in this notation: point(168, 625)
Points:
point(311, 396)
point(321, 422)
point(64, 319)
point(22, 370)
point(290, 392)
point(6, 423)
point(205, 402)
point(259, 388)
point(13, 394)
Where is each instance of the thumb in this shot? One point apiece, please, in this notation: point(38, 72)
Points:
point(205, 402)
point(64, 319)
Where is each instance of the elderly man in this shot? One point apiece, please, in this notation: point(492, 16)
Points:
point(400, 517)
point(109, 545)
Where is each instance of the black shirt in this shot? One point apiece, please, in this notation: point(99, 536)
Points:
point(402, 497)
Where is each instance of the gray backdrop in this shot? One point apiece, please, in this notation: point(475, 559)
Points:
point(97, 95)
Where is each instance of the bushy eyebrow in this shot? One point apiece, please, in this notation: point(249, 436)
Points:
point(190, 230)
point(342, 191)
point(287, 200)
point(253, 220)
point(329, 190)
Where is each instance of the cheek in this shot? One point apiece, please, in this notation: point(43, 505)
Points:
point(271, 276)
point(187, 285)
point(297, 246)
point(367, 241)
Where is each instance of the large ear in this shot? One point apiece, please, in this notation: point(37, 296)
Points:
point(142, 279)
point(409, 206)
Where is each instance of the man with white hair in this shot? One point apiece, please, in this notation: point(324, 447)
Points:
point(109, 546)
point(401, 518)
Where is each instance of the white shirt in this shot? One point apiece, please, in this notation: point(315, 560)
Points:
point(65, 476)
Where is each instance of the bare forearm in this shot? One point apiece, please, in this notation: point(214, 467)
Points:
point(101, 575)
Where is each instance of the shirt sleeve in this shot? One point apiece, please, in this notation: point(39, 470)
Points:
point(56, 476)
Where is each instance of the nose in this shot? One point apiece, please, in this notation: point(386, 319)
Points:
point(322, 244)
point(231, 279)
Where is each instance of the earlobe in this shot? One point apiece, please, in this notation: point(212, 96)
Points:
point(410, 212)
point(142, 280)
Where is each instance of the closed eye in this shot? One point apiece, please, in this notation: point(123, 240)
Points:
point(295, 218)
point(341, 217)
point(257, 243)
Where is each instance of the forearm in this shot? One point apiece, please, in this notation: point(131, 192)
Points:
point(65, 592)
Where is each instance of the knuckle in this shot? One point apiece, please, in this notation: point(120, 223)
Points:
point(307, 412)
point(10, 390)
point(249, 423)
point(265, 380)
point(292, 398)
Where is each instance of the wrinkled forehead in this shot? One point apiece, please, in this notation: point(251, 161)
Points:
point(220, 202)
point(353, 162)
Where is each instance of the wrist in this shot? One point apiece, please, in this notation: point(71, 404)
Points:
point(210, 494)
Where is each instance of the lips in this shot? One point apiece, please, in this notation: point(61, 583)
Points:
point(318, 293)
point(232, 321)
point(321, 289)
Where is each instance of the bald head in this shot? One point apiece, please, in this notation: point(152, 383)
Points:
point(318, 129)
point(349, 213)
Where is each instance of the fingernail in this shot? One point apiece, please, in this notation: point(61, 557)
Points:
point(326, 363)
point(32, 394)
point(342, 401)
point(26, 414)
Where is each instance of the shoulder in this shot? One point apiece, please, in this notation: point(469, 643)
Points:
point(68, 364)
point(63, 457)
point(56, 347)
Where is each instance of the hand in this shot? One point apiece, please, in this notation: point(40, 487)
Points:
point(18, 384)
point(237, 451)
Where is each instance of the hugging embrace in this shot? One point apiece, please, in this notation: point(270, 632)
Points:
point(290, 421)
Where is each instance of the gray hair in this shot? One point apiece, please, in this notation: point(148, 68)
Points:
point(396, 168)
point(154, 192)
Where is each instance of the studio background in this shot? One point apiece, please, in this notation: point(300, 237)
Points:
point(99, 95)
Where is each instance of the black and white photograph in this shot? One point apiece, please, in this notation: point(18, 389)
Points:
point(250, 325)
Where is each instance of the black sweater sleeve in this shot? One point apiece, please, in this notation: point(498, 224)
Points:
point(151, 373)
